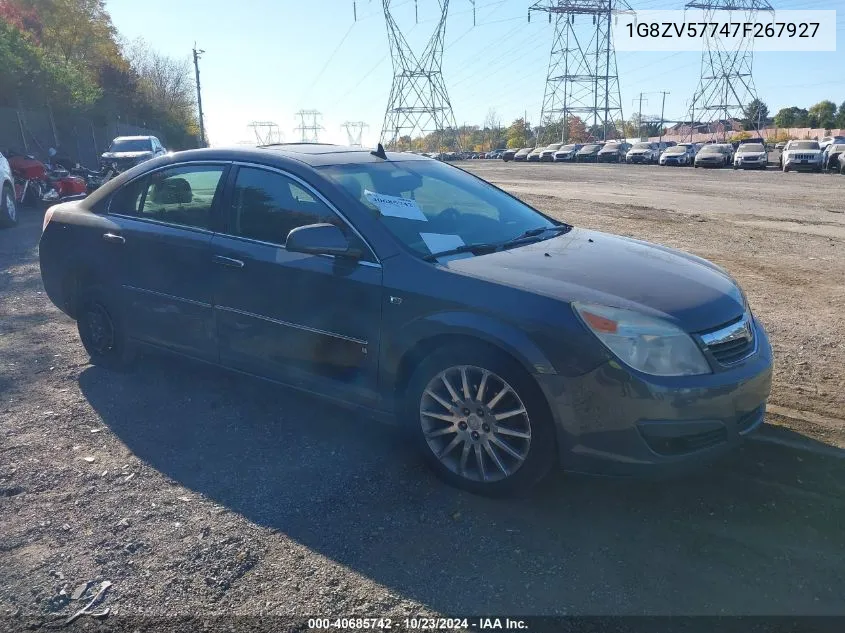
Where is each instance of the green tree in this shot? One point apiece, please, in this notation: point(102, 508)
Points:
point(823, 114)
point(517, 134)
point(840, 117)
point(29, 75)
point(791, 117)
point(756, 112)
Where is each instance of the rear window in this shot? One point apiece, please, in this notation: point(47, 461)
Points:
point(131, 145)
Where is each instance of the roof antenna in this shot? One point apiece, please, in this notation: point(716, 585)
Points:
point(379, 152)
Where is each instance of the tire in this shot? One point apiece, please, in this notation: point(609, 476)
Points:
point(8, 208)
point(475, 437)
point(101, 329)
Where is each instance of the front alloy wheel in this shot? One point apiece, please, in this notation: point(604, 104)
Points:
point(475, 424)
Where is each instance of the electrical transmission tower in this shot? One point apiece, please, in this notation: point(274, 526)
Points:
point(309, 130)
point(266, 132)
point(582, 80)
point(726, 85)
point(418, 104)
point(355, 130)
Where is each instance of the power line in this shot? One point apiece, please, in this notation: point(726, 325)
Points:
point(309, 130)
point(582, 79)
point(419, 103)
point(726, 85)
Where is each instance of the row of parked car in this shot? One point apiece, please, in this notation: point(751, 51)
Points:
point(829, 154)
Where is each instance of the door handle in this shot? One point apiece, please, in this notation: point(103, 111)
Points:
point(228, 261)
point(114, 238)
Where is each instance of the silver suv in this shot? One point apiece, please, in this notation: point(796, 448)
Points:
point(802, 155)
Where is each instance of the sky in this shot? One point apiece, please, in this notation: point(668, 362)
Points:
point(265, 60)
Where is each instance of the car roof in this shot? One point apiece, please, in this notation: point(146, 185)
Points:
point(312, 154)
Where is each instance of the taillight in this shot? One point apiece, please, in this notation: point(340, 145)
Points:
point(48, 215)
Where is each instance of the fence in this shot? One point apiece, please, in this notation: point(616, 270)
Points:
point(768, 134)
point(35, 131)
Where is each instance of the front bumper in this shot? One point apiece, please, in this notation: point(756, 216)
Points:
point(564, 158)
point(674, 161)
point(638, 158)
point(614, 421)
point(710, 162)
point(608, 158)
point(751, 163)
point(808, 164)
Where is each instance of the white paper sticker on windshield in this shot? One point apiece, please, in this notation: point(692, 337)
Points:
point(439, 242)
point(395, 206)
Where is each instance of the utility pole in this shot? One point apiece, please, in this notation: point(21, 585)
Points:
point(640, 116)
point(197, 54)
point(662, 111)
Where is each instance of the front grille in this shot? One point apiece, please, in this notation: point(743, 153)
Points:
point(804, 156)
point(732, 343)
point(686, 443)
point(732, 351)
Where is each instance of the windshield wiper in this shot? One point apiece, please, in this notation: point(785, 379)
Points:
point(483, 249)
point(563, 228)
point(475, 249)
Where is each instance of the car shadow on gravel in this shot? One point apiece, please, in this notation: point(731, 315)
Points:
point(760, 532)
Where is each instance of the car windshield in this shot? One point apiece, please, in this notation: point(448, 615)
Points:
point(431, 207)
point(676, 149)
point(839, 147)
point(612, 146)
point(641, 146)
point(804, 145)
point(568, 148)
point(131, 145)
point(554, 146)
point(712, 149)
point(590, 148)
point(752, 147)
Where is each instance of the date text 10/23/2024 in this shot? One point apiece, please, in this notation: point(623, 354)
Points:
point(418, 624)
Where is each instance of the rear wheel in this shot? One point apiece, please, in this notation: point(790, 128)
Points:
point(101, 329)
point(481, 421)
point(8, 207)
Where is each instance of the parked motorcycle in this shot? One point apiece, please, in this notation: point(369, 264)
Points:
point(38, 183)
point(94, 179)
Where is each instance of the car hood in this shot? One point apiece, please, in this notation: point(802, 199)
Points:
point(591, 266)
point(750, 153)
point(640, 151)
point(125, 155)
point(803, 151)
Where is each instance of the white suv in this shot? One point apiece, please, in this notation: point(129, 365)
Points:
point(8, 204)
point(802, 155)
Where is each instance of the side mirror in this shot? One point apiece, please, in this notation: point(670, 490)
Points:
point(320, 239)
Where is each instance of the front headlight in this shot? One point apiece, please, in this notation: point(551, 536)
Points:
point(644, 343)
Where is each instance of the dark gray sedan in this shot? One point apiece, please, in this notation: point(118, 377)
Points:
point(506, 342)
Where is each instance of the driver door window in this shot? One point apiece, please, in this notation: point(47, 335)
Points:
point(266, 206)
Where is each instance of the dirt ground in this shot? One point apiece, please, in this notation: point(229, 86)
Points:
point(782, 236)
point(196, 492)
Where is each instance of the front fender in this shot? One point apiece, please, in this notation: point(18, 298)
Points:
point(483, 327)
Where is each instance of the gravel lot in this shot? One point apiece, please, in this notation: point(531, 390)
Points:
point(199, 492)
